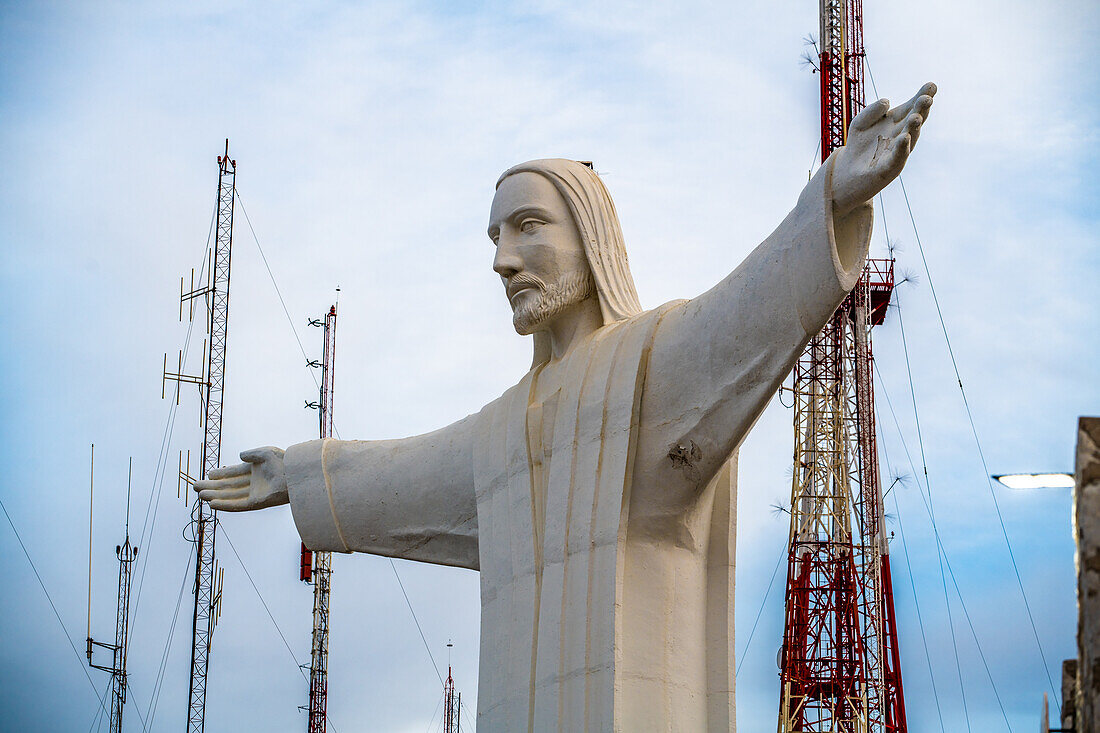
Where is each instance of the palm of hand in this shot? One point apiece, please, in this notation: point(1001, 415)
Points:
point(879, 142)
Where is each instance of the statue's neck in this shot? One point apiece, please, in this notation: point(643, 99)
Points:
point(573, 326)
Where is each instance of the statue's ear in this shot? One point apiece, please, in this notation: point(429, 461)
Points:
point(542, 348)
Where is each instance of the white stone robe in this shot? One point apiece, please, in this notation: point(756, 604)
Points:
point(607, 593)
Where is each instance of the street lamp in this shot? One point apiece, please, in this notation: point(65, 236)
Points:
point(1036, 480)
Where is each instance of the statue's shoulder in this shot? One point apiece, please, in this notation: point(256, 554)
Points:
point(643, 319)
point(650, 319)
point(522, 387)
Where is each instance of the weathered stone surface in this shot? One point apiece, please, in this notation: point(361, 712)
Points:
point(1069, 693)
point(1086, 524)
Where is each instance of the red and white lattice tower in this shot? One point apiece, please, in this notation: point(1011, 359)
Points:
point(840, 669)
point(317, 566)
point(452, 705)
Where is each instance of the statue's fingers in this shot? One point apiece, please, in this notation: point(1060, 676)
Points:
point(920, 103)
point(239, 482)
point(239, 469)
point(923, 105)
point(899, 151)
point(220, 494)
point(231, 505)
point(221, 484)
point(913, 126)
point(871, 114)
point(910, 123)
point(236, 482)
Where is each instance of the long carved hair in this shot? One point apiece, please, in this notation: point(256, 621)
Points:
point(598, 224)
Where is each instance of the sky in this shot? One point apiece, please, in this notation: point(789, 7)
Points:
point(368, 139)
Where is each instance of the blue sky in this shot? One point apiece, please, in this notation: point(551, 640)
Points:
point(368, 139)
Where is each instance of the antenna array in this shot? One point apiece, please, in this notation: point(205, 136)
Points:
point(317, 566)
point(126, 554)
point(211, 385)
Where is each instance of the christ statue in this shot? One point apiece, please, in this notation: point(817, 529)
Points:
point(597, 495)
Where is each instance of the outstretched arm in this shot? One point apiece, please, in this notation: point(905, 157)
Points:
point(718, 359)
point(411, 498)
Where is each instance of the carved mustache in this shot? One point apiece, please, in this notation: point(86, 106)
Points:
point(522, 280)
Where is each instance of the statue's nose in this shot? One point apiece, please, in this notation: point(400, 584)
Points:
point(507, 262)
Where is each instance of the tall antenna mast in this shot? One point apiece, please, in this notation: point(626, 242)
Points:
point(91, 496)
point(318, 566)
point(839, 664)
point(211, 386)
point(126, 554)
point(452, 701)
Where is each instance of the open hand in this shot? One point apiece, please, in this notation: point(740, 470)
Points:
point(255, 484)
point(879, 142)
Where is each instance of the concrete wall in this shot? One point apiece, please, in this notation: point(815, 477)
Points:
point(1069, 694)
point(1086, 526)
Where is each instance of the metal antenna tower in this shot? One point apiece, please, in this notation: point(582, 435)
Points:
point(839, 664)
point(452, 701)
point(211, 386)
point(318, 566)
point(126, 554)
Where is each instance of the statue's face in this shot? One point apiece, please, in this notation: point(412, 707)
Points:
point(539, 253)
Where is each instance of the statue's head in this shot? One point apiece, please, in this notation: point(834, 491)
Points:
point(558, 244)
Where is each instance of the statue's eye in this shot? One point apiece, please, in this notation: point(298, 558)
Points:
point(528, 225)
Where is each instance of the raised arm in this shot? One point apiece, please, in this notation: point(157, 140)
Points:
point(718, 359)
point(411, 498)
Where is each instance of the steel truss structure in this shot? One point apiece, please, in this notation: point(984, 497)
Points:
point(126, 554)
point(840, 667)
point(211, 384)
point(317, 566)
point(452, 705)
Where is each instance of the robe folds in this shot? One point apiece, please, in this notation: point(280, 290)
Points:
point(592, 619)
point(555, 598)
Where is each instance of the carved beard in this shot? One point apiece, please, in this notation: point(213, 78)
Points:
point(552, 300)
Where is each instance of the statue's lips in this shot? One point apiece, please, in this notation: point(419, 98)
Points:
point(517, 291)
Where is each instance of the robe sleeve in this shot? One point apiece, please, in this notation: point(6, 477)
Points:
point(411, 498)
point(718, 359)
